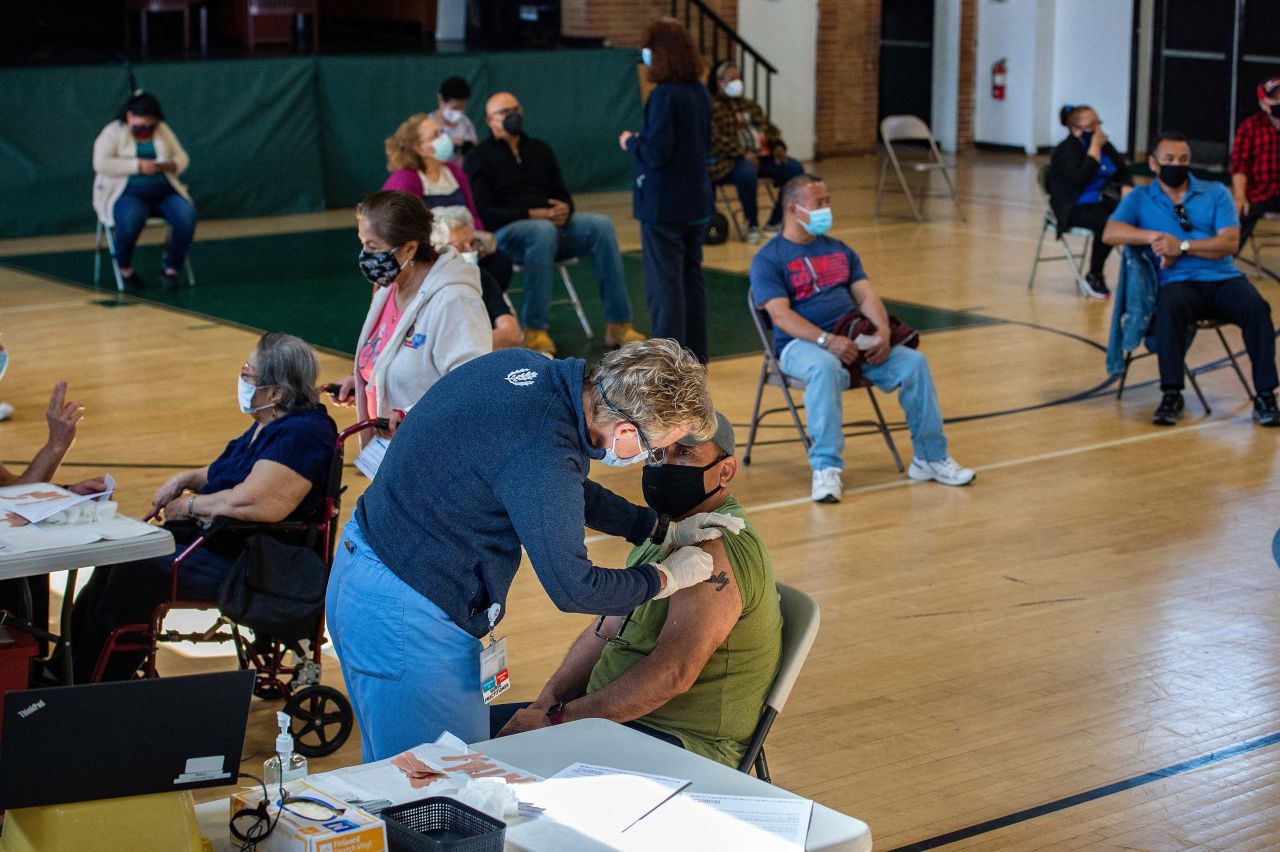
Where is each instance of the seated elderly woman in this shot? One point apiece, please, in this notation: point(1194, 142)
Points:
point(453, 226)
point(275, 471)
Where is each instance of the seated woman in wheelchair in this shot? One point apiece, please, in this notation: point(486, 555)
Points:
point(275, 471)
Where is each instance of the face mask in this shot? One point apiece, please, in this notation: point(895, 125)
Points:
point(646, 56)
point(1174, 176)
point(819, 220)
point(380, 267)
point(244, 395)
point(513, 124)
point(442, 146)
point(733, 88)
point(612, 459)
point(450, 114)
point(4, 362)
point(140, 131)
point(1275, 110)
point(1086, 138)
point(674, 489)
point(471, 257)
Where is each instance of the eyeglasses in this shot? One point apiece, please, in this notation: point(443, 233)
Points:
point(614, 640)
point(1183, 219)
point(656, 457)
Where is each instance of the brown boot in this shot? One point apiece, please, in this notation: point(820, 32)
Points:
point(538, 340)
point(620, 334)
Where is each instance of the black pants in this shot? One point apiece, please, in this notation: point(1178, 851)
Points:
point(1094, 217)
point(500, 714)
point(500, 267)
point(1180, 304)
point(1247, 223)
point(673, 284)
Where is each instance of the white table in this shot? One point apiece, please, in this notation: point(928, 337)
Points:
point(548, 750)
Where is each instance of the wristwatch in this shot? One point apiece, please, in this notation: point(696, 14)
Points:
point(660, 529)
point(1184, 246)
point(822, 340)
point(555, 713)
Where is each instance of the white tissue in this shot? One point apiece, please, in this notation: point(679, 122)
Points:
point(492, 796)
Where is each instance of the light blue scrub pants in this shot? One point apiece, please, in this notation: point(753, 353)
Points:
point(410, 671)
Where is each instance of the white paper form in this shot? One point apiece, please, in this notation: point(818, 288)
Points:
point(370, 458)
point(599, 802)
point(706, 821)
point(38, 501)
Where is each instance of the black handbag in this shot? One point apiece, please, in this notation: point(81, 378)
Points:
point(275, 588)
point(717, 229)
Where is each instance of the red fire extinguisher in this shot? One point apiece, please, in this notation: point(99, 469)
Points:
point(998, 72)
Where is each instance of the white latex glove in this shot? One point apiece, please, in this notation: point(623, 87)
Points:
point(685, 567)
point(698, 528)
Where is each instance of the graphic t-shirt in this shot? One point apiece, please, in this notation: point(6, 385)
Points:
point(383, 329)
point(814, 277)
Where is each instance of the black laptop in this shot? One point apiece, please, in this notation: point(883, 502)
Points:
point(103, 740)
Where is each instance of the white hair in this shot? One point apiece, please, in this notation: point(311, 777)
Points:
point(444, 220)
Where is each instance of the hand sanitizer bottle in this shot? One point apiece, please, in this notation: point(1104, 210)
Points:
point(283, 766)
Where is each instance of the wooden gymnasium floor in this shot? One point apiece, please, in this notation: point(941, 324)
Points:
point(1100, 605)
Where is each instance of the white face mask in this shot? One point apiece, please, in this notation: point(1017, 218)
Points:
point(733, 88)
point(471, 257)
point(244, 395)
point(450, 114)
point(612, 459)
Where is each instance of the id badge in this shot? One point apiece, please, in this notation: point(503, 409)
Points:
point(493, 670)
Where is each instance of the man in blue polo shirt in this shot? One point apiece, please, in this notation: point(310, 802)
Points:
point(1192, 227)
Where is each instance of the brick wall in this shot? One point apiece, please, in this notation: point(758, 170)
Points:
point(968, 68)
point(623, 22)
point(848, 76)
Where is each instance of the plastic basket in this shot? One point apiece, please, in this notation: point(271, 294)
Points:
point(441, 823)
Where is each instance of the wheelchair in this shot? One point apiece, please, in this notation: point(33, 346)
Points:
point(322, 717)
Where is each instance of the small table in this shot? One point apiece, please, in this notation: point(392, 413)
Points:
point(71, 558)
point(548, 750)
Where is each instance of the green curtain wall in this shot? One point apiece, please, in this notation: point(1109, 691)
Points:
point(295, 135)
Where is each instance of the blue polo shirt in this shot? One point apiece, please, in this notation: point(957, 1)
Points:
point(1210, 209)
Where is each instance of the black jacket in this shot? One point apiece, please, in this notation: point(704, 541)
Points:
point(506, 188)
point(1070, 170)
point(671, 182)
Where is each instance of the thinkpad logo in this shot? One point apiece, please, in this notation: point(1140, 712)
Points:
point(27, 711)
point(521, 378)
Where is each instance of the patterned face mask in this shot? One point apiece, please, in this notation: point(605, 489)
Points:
point(380, 267)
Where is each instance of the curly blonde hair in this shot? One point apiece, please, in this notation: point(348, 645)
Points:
point(401, 146)
point(658, 385)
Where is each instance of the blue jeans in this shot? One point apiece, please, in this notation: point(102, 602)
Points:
point(139, 203)
point(826, 379)
point(536, 243)
point(744, 177)
point(410, 671)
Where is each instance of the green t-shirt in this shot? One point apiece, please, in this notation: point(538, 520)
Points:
point(718, 714)
point(147, 151)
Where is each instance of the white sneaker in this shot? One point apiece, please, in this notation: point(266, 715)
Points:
point(945, 471)
point(5, 410)
point(827, 487)
point(753, 236)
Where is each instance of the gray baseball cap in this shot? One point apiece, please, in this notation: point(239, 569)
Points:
point(723, 438)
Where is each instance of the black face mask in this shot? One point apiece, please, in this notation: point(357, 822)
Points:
point(674, 489)
point(1275, 110)
point(513, 124)
point(142, 131)
point(1174, 176)
point(1086, 138)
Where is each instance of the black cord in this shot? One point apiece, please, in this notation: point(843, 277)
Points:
point(250, 838)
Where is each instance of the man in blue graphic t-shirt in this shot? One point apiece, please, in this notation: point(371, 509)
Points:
point(807, 282)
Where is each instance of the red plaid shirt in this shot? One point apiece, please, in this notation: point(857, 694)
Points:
point(1256, 154)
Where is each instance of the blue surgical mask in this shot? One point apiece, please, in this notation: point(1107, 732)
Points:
point(646, 56)
point(4, 361)
point(442, 146)
point(819, 220)
point(244, 395)
point(612, 458)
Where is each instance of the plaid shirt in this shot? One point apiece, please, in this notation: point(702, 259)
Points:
point(1256, 154)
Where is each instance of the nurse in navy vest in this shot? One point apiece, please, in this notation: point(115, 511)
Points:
point(672, 195)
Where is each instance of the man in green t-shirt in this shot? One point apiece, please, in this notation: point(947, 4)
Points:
point(692, 669)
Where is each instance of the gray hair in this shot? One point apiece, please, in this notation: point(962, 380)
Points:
point(656, 384)
point(445, 219)
point(291, 365)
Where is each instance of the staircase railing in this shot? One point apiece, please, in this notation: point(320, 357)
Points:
point(718, 41)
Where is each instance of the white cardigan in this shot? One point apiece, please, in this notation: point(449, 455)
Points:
point(115, 159)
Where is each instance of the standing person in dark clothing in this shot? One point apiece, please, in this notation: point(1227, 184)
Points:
point(521, 196)
point(672, 195)
point(1087, 178)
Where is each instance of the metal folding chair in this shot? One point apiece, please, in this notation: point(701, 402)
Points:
point(800, 619)
point(771, 374)
point(562, 264)
point(908, 128)
point(727, 196)
point(1202, 325)
point(109, 233)
point(1260, 240)
point(1076, 261)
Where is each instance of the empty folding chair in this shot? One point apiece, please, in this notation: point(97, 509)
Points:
point(908, 128)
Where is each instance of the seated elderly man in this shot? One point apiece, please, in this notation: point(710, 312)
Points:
point(808, 282)
point(1192, 227)
point(692, 669)
point(521, 196)
point(453, 226)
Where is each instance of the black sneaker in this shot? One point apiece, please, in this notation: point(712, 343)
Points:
point(132, 282)
point(1097, 287)
point(1170, 410)
point(1265, 410)
point(170, 280)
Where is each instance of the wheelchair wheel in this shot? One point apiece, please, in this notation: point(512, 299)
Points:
point(322, 720)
